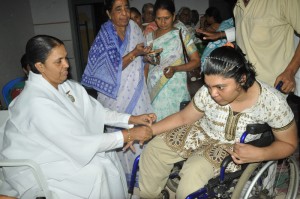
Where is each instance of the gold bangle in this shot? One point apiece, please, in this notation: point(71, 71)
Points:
point(132, 58)
point(128, 136)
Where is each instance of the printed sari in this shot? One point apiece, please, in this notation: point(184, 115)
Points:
point(226, 24)
point(167, 94)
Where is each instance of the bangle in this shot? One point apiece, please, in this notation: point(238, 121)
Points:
point(128, 136)
point(132, 58)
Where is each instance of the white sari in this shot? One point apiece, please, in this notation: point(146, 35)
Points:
point(66, 139)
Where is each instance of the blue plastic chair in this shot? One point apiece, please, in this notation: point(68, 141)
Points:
point(8, 86)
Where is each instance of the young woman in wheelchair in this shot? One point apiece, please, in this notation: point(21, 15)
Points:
point(207, 130)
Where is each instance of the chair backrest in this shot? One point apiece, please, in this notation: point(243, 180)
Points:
point(3, 116)
point(3, 119)
point(7, 89)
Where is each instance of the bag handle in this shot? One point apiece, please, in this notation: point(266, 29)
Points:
point(186, 57)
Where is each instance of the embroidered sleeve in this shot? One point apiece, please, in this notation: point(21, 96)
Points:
point(200, 99)
point(280, 115)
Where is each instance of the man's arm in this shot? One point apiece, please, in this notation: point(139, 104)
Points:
point(229, 34)
point(288, 75)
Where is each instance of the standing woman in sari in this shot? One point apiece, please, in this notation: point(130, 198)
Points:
point(167, 81)
point(116, 70)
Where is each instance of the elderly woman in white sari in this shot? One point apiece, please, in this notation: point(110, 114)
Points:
point(115, 69)
point(55, 123)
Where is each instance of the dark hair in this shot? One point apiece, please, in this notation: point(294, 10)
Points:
point(195, 15)
point(183, 9)
point(108, 4)
point(145, 6)
point(38, 49)
point(164, 4)
point(215, 13)
point(134, 9)
point(230, 63)
point(24, 62)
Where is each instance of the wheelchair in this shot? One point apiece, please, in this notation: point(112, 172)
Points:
point(264, 180)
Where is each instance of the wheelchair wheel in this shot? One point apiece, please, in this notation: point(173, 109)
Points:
point(269, 180)
point(174, 177)
point(165, 194)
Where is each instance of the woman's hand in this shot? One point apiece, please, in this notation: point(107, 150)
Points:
point(245, 153)
point(169, 72)
point(140, 133)
point(145, 119)
point(140, 49)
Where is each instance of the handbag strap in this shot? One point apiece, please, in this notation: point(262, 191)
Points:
point(186, 57)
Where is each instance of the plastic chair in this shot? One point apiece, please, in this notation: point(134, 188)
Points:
point(7, 88)
point(36, 170)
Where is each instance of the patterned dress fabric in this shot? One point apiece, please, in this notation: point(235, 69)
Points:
point(166, 94)
point(220, 128)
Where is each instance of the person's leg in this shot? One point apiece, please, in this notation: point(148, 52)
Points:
point(194, 174)
point(156, 162)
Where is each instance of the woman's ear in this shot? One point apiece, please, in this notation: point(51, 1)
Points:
point(40, 67)
point(243, 80)
point(108, 14)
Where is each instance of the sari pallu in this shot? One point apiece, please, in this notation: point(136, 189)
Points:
point(118, 90)
point(166, 94)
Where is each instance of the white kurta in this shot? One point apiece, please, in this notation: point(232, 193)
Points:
point(66, 139)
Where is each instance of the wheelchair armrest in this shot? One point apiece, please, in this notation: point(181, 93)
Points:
point(258, 128)
point(37, 173)
point(266, 139)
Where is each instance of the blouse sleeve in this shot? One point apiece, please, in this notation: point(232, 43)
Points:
point(200, 99)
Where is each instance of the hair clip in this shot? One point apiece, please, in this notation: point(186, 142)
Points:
point(229, 44)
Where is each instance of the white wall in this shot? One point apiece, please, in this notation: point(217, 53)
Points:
point(200, 5)
point(22, 19)
point(53, 18)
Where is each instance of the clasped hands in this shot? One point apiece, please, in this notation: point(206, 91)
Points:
point(142, 132)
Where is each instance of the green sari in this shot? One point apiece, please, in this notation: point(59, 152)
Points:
point(166, 94)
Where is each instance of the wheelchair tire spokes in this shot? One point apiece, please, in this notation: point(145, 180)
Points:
point(269, 180)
